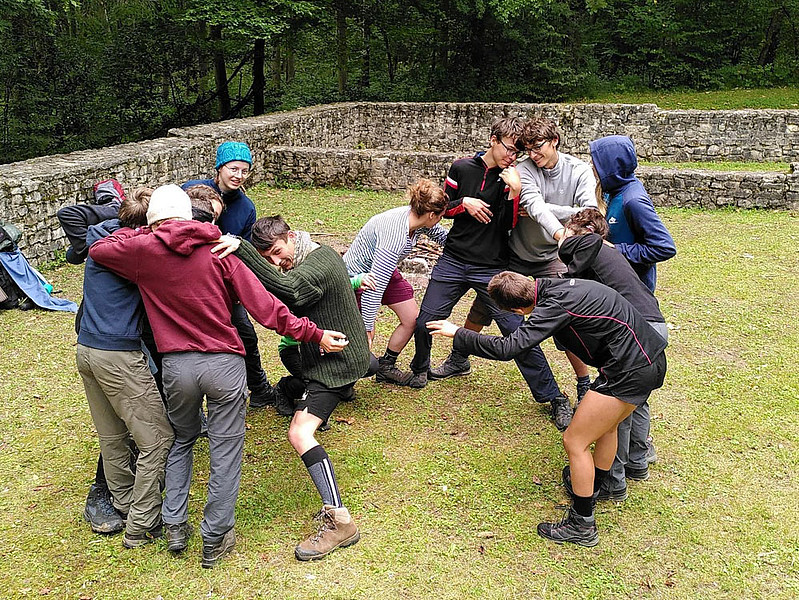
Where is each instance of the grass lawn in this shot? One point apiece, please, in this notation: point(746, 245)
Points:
point(448, 483)
point(781, 97)
point(769, 167)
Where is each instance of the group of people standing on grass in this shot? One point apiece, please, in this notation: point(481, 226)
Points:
point(172, 273)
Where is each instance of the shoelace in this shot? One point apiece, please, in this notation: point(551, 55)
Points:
point(325, 523)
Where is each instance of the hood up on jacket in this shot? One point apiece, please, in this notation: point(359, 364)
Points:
point(108, 191)
point(615, 161)
point(183, 237)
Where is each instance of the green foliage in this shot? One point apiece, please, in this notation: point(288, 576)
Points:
point(83, 73)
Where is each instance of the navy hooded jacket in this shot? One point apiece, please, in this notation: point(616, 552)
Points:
point(635, 228)
point(112, 307)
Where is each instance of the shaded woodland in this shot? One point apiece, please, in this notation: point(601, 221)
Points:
point(84, 74)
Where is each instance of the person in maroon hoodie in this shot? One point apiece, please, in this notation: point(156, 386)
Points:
point(188, 294)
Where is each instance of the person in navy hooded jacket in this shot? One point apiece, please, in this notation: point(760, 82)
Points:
point(233, 164)
point(635, 228)
point(638, 233)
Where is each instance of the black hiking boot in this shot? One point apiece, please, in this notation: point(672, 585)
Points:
point(574, 529)
point(455, 366)
point(177, 536)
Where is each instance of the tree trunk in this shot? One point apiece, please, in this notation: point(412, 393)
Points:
point(366, 54)
point(769, 50)
point(258, 83)
point(220, 71)
point(341, 49)
point(277, 67)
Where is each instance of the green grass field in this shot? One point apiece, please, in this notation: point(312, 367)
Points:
point(780, 97)
point(448, 483)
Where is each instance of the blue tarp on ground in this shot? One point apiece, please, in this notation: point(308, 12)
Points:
point(32, 283)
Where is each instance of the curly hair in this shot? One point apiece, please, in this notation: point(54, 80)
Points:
point(539, 130)
point(426, 196)
point(588, 220)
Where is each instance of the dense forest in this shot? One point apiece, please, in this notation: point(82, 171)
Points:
point(89, 73)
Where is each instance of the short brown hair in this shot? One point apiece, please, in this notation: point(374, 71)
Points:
point(588, 220)
point(425, 196)
point(133, 210)
point(267, 230)
point(511, 290)
point(507, 127)
point(538, 130)
point(202, 206)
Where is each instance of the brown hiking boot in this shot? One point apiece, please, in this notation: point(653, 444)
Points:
point(336, 530)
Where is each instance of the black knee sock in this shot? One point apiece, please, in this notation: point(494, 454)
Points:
point(321, 471)
point(390, 357)
point(583, 506)
point(600, 476)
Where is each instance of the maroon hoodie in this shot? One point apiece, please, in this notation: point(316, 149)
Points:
point(188, 292)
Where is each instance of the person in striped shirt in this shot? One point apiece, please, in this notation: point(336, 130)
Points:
point(385, 240)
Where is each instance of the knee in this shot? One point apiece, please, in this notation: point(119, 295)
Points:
point(295, 436)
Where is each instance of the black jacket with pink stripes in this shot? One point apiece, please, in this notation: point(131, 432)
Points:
point(593, 321)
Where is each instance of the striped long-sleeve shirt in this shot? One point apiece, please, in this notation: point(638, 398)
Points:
point(378, 248)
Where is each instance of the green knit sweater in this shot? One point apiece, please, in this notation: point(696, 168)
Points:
point(319, 288)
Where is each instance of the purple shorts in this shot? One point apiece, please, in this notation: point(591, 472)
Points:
point(398, 290)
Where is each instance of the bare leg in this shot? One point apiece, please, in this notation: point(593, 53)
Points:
point(406, 312)
point(580, 368)
point(596, 421)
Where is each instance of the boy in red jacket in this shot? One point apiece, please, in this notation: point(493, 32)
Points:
point(188, 294)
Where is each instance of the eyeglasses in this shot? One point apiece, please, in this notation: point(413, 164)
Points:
point(510, 150)
point(537, 147)
point(238, 171)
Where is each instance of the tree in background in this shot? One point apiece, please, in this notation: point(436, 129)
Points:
point(87, 73)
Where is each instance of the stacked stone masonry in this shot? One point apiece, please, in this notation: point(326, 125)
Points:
point(390, 145)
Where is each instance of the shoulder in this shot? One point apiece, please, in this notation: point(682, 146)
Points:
point(577, 165)
point(192, 182)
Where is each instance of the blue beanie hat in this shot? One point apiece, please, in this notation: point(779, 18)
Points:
point(229, 151)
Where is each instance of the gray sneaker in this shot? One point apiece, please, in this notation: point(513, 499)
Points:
point(561, 411)
point(100, 512)
point(213, 553)
point(454, 366)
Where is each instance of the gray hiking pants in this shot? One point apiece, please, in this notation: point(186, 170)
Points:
point(222, 379)
point(632, 433)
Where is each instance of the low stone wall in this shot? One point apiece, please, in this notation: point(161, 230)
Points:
point(389, 145)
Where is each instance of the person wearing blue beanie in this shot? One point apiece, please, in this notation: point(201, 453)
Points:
point(233, 165)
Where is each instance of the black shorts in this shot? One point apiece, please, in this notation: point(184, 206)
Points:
point(633, 387)
point(321, 400)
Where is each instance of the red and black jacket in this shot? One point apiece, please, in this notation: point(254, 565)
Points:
point(469, 240)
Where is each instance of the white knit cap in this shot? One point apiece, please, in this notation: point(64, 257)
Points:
point(168, 202)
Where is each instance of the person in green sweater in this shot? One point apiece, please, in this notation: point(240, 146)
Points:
point(314, 284)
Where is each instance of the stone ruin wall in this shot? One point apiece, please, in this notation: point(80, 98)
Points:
point(390, 145)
